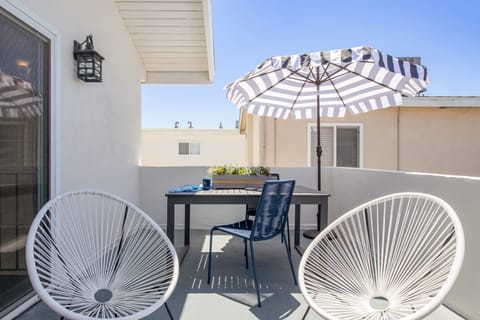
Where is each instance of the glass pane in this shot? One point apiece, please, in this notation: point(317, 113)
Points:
point(194, 148)
point(24, 147)
point(183, 148)
point(347, 147)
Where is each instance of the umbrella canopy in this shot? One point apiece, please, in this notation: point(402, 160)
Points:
point(17, 98)
point(326, 84)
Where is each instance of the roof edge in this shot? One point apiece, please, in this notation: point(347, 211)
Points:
point(442, 101)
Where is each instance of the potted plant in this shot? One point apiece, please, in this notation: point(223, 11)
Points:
point(238, 177)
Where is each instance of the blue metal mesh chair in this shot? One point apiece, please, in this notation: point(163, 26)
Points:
point(252, 210)
point(270, 219)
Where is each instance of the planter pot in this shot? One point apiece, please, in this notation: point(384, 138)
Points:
point(239, 182)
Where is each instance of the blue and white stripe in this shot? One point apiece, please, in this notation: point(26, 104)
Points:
point(18, 99)
point(356, 80)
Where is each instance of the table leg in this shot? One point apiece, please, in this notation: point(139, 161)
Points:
point(171, 221)
point(297, 226)
point(324, 214)
point(186, 241)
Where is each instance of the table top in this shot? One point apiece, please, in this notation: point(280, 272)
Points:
point(299, 190)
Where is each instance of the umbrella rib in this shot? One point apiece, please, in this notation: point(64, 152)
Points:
point(362, 76)
point(318, 80)
point(301, 77)
point(333, 75)
point(298, 95)
point(330, 79)
point(305, 78)
point(271, 86)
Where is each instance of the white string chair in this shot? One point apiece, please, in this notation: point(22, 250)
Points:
point(92, 255)
point(395, 257)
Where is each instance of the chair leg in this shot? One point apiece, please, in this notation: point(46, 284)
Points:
point(306, 312)
point(288, 232)
point(245, 253)
point(288, 236)
point(210, 257)
point(255, 274)
point(168, 311)
point(289, 255)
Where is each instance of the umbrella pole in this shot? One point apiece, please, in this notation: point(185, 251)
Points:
point(311, 234)
point(319, 147)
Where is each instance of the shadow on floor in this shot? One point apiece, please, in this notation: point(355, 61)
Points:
point(232, 295)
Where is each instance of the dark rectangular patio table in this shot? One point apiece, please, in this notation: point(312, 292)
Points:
point(301, 195)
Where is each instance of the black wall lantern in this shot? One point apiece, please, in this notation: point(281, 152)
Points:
point(89, 61)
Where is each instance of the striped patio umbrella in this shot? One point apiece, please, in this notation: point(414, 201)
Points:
point(326, 84)
point(18, 100)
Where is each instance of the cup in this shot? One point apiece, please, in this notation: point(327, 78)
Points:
point(206, 183)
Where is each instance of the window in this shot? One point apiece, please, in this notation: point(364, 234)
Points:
point(341, 145)
point(24, 147)
point(188, 148)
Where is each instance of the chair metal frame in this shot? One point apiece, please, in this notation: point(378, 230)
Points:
point(395, 257)
point(269, 222)
point(92, 255)
point(250, 212)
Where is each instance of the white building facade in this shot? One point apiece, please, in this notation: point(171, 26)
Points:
point(86, 134)
point(192, 147)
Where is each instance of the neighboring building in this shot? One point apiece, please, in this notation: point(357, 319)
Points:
point(86, 135)
point(425, 134)
point(192, 147)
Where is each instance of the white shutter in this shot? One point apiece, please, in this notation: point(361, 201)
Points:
point(348, 147)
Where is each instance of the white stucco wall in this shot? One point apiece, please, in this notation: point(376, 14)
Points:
point(351, 187)
point(96, 126)
point(348, 188)
point(159, 147)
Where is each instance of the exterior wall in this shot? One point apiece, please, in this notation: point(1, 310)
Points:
point(287, 140)
point(447, 141)
point(159, 147)
point(423, 139)
point(348, 188)
point(460, 192)
point(96, 139)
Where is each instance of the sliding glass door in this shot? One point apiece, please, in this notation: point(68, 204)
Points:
point(24, 147)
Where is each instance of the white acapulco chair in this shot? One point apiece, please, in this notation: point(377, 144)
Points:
point(395, 257)
point(92, 255)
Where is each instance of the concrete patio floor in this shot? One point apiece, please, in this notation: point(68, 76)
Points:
point(231, 295)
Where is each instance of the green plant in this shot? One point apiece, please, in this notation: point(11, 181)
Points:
point(259, 171)
point(238, 170)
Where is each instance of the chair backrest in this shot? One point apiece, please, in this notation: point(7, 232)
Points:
point(272, 209)
point(404, 250)
point(92, 255)
point(251, 209)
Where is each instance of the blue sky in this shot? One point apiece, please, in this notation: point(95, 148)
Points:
point(444, 33)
